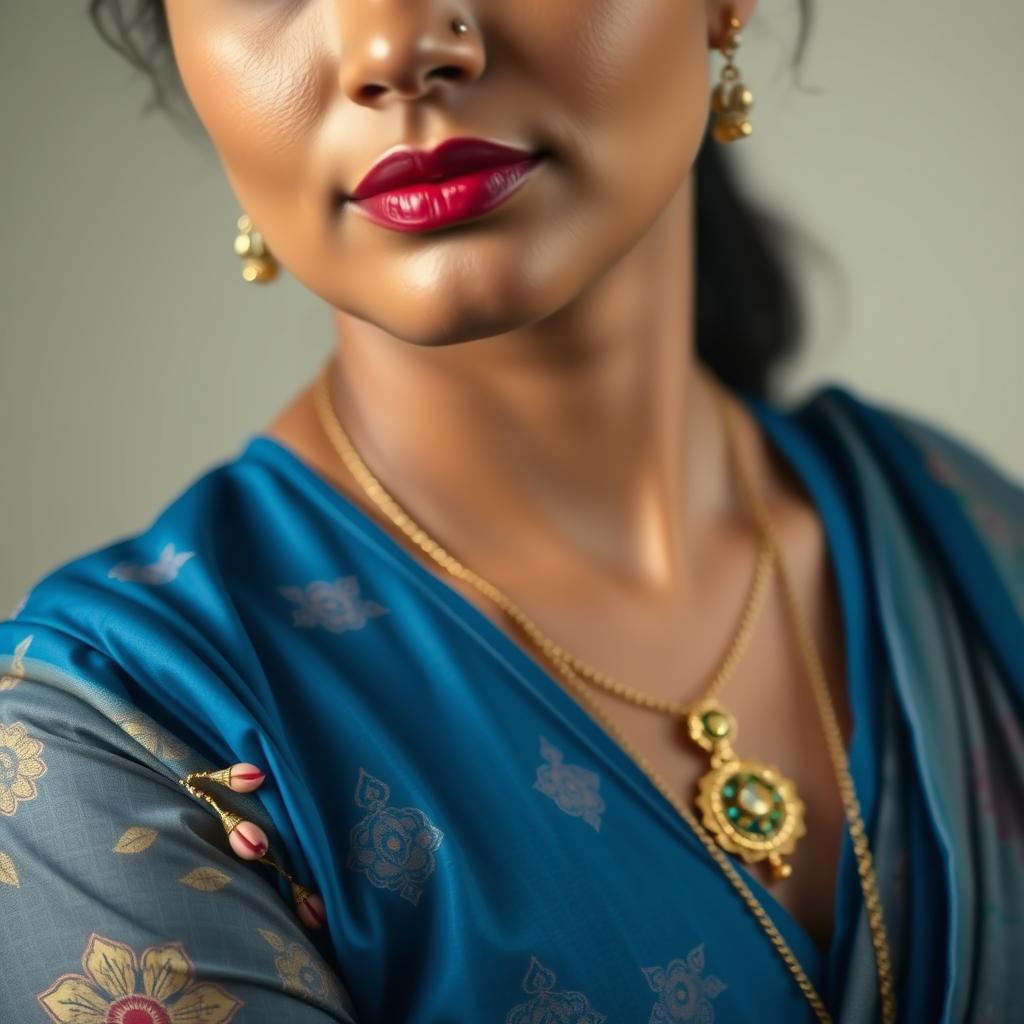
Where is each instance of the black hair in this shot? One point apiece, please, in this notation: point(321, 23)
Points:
point(750, 319)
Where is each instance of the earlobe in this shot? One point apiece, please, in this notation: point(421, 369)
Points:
point(719, 12)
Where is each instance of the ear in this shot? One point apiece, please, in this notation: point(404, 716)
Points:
point(718, 18)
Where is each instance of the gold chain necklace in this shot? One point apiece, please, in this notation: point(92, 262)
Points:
point(715, 730)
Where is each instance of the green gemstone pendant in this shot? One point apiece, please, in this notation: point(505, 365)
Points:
point(750, 808)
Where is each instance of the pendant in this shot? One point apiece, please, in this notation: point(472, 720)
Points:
point(750, 808)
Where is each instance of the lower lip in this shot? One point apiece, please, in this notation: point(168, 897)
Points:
point(430, 205)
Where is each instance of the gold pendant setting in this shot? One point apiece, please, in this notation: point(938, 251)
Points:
point(750, 808)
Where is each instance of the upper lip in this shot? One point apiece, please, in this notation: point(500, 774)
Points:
point(452, 157)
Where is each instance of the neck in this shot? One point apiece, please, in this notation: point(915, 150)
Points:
point(589, 437)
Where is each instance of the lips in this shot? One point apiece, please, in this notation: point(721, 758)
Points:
point(439, 204)
point(451, 159)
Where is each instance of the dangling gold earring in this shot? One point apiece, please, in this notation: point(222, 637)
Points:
point(731, 99)
point(258, 263)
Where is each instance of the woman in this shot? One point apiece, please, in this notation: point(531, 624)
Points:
point(718, 713)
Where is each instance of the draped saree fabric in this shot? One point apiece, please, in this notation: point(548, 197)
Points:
point(484, 850)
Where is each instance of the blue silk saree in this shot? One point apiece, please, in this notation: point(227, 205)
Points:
point(484, 849)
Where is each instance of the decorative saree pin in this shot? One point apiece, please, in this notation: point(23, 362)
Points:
point(247, 839)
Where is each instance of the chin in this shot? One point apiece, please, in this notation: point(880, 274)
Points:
point(454, 327)
point(455, 308)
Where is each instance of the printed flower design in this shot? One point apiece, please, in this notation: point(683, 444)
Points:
point(300, 974)
point(301, 971)
point(940, 469)
point(107, 992)
point(336, 606)
point(393, 846)
point(17, 673)
point(573, 788)
point(998, 795)
point(989, 519)
point(163, 570)
point(19, 766)
point(548, 1006)
point(683, 993)
point(148, 734)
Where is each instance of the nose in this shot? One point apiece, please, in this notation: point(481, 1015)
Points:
point(401, 49)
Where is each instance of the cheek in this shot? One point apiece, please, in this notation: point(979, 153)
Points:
point(256, 85)
point(636, 72)
point(626, 82)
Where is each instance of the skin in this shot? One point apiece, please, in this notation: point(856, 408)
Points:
point(525, 384)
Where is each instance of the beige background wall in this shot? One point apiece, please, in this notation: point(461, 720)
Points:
point(132, 356)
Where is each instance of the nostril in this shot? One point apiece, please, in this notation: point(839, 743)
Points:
point(369, 92)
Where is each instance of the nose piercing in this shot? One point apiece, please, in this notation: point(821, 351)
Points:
point(459, 27)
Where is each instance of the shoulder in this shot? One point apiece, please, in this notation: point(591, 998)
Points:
point(162, 602)
point(199, 610)
point(940, 466)
point(175, 547)
point(104, 827)
point(949, 459)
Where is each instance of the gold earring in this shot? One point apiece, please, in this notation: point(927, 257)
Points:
point(258, 263)
point(731, 99)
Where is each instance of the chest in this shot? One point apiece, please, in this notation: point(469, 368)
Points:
point(777, 717)
point(784, 733)
point(482, 815)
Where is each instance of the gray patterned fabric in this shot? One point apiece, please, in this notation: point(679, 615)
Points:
point(121, 900)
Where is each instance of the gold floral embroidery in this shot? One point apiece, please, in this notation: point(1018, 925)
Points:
point(273, 938)
point(300, 973)
point(8, 872)
point(135, 839)
point(17, 673)
point(107, 992)
point(152, 737)
point(205, 879)
point(19, 765)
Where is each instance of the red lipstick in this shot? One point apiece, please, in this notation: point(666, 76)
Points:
point(419, 190)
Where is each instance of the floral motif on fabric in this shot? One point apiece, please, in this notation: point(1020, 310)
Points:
point(148, 734)
point(393, 846)
point(998, 793)
point(163, 570)
point(336, 606)
point(548, 1006)
point(135, 839)
point(683, 991)
point(8, 871)
point(300, 971)
point(17, 673)
point(573, 788)
point(989, 519)
point(108, 991)
point(20, 766)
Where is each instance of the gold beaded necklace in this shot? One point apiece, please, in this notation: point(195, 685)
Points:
point(748, 808)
